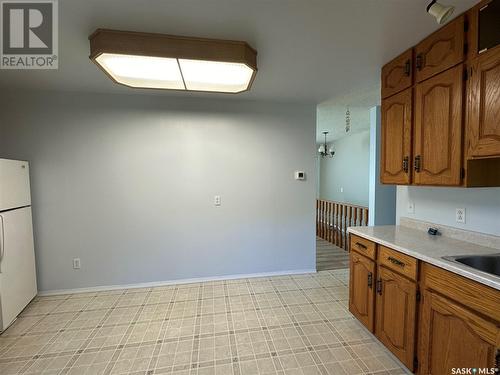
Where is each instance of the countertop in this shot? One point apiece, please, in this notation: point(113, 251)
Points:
point(419, 244)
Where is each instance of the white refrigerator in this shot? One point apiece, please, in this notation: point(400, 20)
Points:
point(17, 255)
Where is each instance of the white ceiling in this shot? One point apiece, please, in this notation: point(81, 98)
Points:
point(331, 114)
point(308, 51)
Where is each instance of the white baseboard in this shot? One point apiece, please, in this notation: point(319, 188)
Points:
point(172, 282)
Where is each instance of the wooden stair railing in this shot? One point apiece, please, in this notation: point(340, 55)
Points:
point(333, 219)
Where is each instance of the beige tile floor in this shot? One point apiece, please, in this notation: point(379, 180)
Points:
point(286, 325)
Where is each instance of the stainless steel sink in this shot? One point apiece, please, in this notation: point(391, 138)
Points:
point(485, 263)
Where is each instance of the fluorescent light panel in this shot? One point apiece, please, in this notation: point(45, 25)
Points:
point(202, 75)
point(143, 71)
point(165, 73)
point(159, 61)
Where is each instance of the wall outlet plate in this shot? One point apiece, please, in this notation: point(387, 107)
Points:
point(76, 263)
point(299, 175)
point(460, 215)
point(411, 207)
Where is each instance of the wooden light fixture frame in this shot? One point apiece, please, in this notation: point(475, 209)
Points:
point(170, 46)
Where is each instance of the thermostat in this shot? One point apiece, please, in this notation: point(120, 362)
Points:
point(300, 175)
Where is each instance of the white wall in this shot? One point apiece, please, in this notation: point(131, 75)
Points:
point(347, 170)
point(438, 205)
point(127, 182)
point(382, 198)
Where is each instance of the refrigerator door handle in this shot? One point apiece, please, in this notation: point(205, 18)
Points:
point(2, 242)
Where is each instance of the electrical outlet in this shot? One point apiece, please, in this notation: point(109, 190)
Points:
point(341, 189)
point(76, 263)
point(217, 200)
point(411, 207)
point(460, 215)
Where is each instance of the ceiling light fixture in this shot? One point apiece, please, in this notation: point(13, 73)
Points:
point(441, 12)
point(158, 61)
point(324, 150)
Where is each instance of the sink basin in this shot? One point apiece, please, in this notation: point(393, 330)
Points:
point(485, 263)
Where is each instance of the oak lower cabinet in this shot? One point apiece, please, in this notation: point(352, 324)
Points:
point(396, 306)
point(451, 336)
point(459, 324)
point(431, 319)
point(361, 289)
point(395, 157)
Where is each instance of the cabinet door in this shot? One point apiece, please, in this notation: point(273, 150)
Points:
point(438, 129)
point(396, 310)
point(361, 289)
point(397, 74)
point(396, 138)
point(452, 336)
point(483, 125)
point(440, 51)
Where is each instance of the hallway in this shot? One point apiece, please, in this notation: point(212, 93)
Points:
point(329, 256)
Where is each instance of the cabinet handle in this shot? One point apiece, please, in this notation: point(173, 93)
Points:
point(361, 245)
point(405, 164)
point(416, 163)
point(379, 287)
point(407, 68)
point(395, 261)
point(420, 61)
point(370, 280)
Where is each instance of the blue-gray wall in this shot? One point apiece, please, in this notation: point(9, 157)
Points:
point(438, 205)
point(348, 169)
point(382, 201)
point(127, 184)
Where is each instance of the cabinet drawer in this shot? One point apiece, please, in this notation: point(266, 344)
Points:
point(399, 262)
point(363, 246)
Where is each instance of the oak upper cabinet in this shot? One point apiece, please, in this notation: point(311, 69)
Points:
point(396, 306)
point(452, 336)
point(441, 50)
point(397, 75)
point(395, 158)
point(438, 129)
point(483, 123)
point(361, 289)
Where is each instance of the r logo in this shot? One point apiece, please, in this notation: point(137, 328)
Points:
point(29, 28)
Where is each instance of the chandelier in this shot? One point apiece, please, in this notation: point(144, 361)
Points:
point(324, 150)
